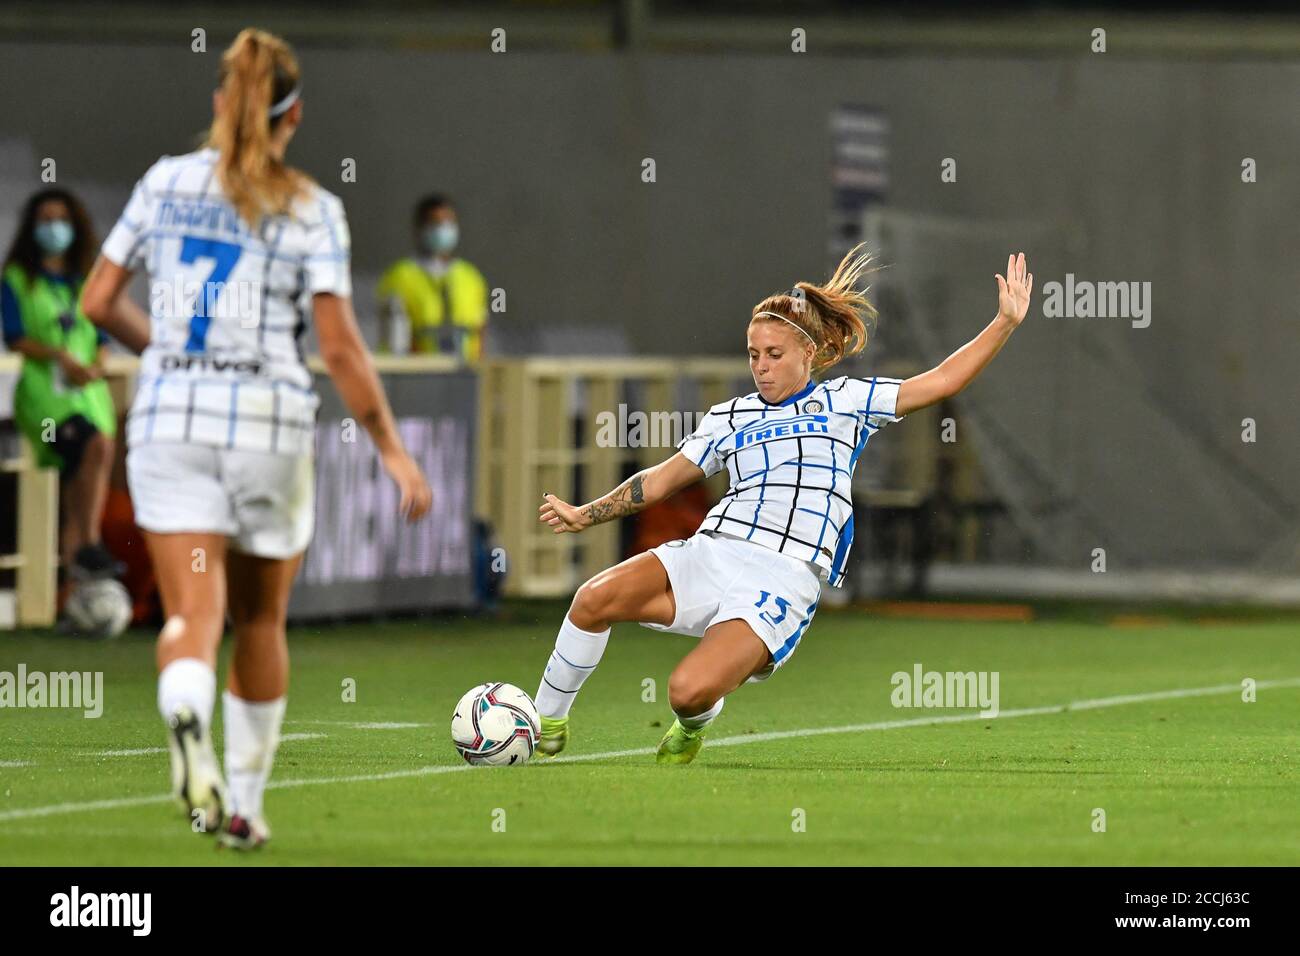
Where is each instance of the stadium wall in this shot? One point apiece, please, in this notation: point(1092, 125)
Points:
point(545, 154)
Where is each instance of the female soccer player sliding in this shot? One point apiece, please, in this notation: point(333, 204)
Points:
point(221, 434)
point(747, 583)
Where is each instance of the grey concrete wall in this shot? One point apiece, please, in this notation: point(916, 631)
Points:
point(543, 153)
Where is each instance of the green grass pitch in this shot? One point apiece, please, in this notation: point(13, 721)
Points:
point(1200, 779)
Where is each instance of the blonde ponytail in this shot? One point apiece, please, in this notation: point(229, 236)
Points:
point(258, 70)
point(834, 316)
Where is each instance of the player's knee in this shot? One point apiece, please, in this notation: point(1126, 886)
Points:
point(594, 605)
point(690, 694)
point(190, 622)
point(256, 630)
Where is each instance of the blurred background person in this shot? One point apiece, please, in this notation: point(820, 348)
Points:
point(432, 301)
point(61, 402)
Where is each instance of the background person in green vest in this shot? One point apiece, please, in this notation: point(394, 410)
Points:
point(61, 402)
point(433, 301)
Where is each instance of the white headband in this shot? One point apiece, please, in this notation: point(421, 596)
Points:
point(776, 315)
point(284, 104)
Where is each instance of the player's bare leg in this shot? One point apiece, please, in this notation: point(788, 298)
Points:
point(634, 590)
point(728, 655)
point(191, 572)
point(254, 702)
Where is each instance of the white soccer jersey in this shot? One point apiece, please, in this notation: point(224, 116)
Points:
point(791, 465)
point(224, 366)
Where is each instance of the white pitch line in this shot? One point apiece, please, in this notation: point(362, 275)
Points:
point(364, 724)
point(137, 752)
point(1094, 704)
point(1077, 705)
point(15, 763)
point(58, 808)
point(146, 751)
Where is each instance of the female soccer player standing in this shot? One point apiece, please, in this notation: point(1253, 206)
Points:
point(221, 432)
point(748, 581)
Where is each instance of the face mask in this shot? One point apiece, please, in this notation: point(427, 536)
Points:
point(442, 238)
point(54, 236)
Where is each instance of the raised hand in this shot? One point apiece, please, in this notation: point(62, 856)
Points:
point(1014, 290)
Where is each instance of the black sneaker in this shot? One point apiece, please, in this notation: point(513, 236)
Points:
point(93, 561)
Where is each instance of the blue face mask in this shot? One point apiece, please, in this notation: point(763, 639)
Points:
point(442, 238)
point(54, 236)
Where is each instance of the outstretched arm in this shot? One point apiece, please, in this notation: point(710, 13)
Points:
point(105, 302)
point(961, 367)
point(639, 492)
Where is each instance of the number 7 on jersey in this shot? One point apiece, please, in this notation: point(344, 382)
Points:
point(224, 256)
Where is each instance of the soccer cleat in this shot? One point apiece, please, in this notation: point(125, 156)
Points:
point(196, 778)
point(244, 833)
point(554, 738)
point(679, 744)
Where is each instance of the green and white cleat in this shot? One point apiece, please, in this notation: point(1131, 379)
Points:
point(197, 786)
point(554, 738)
point(679, 744)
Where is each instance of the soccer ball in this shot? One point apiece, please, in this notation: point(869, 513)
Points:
point(99, 608)
point(496, 725)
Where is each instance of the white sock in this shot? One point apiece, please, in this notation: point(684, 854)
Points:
point(252, 731)
point(191, 683)
point(576, 654)
point(701, 720)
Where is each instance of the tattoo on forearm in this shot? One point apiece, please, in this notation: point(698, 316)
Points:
point(624, 500)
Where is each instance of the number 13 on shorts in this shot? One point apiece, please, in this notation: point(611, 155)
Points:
point(781, 603)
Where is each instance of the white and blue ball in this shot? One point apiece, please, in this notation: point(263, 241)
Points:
point(496, 725)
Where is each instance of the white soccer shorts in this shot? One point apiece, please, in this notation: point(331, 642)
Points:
point(719, 578)
point(263, 502)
